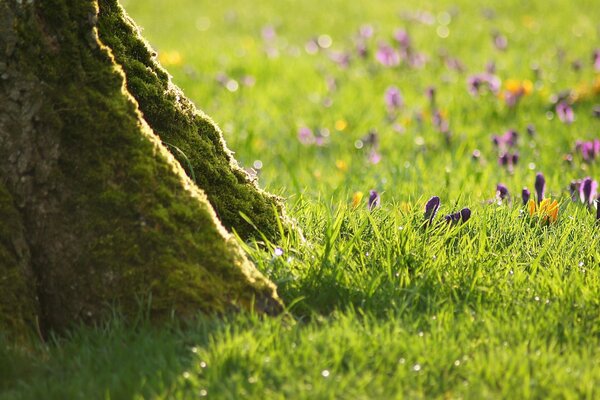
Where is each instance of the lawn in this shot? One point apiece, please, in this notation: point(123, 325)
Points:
point(327, 101)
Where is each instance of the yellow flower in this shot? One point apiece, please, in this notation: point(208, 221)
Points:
point(356, 199)
point(341, 165)
point(341, 124)
point(547, 211)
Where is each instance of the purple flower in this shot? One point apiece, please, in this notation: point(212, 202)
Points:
point(540, 186)
point(588, 191)
point(525, 195)
point(365, 31)
point(477, 82)
point(374, 199)
point(598, 209)
point(462, 215)
point(430, 94)
point(500, 41)
point(596, 59)
point(374, 156)
point(402, 38)
point(341, 58)
point(501, 192)
point(465, 214)
point(431, 208)
point(393, 99)
point(589, 150)
point(565, 112)
point(305, 136)
point(387, 56)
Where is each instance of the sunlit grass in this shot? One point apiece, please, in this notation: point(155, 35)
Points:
point(379, 305)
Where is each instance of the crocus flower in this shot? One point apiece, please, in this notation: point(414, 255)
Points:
point(588, 191)
point(547, 211)
point(501, 192)
point(477, 82)
point(525, 195)
point(462, 215)
point(465, 214)
point(596, 59)
point(374, 199)
point(393, 99)
point(387, 56)
point(431, 208)
point(365, 31)
point(598, 209)
point(565, 112)
point(356, 199)
point(540, 186)
point(430, 94)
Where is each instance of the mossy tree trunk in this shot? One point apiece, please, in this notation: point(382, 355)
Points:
point(94, 209)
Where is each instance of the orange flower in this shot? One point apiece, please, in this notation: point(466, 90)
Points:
point(356, 199)
point(546, 211)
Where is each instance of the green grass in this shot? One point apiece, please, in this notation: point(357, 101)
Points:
point(379, 307)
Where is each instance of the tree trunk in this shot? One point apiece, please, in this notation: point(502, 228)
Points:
point(95, 211)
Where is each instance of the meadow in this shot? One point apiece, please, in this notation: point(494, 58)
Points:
point(359, 113)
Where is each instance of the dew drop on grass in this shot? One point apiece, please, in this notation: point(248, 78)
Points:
point(456, 363)
point(325, 373)
point(203, 393)
point(202, 364)
point(401, 361)
point(416, 367)
point(531, 166)
point(186, 375)
point(257, 164)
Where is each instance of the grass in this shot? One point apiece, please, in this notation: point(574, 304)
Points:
point(379, 306)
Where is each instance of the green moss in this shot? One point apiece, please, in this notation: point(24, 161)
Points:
point(128, 224)
point(18, 303)
point(177, 121)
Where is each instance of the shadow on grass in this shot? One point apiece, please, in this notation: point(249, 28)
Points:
point(116, 361)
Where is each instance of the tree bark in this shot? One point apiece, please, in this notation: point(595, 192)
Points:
point(101, 213)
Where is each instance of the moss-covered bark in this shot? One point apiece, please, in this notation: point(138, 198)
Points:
point(18, 300)
point(177, 122)
point(109, 215)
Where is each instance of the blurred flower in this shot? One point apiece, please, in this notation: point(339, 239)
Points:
point(540, 186)
point(574, 189)
point(268, 33)
point(525, 195)
point(515, 89)
point(500, 41)
point(509, 160)
point(531, 129)
point(341, 165)
point(374, 199)
point(387, 56)
point(547, 211)
point(565, 112)
point(305, 136)
point(501, 192)
point(430, 94)
point(374, 156)
point(596, 59)
point(169, 58)
point(431, 208)
point(589, 150)
point(341, 58)
point(402, 38)
point(365, 31)
point(393, 99)
point(476, 83)
point(357, 198)
point(596, 111)
point(508, 139)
